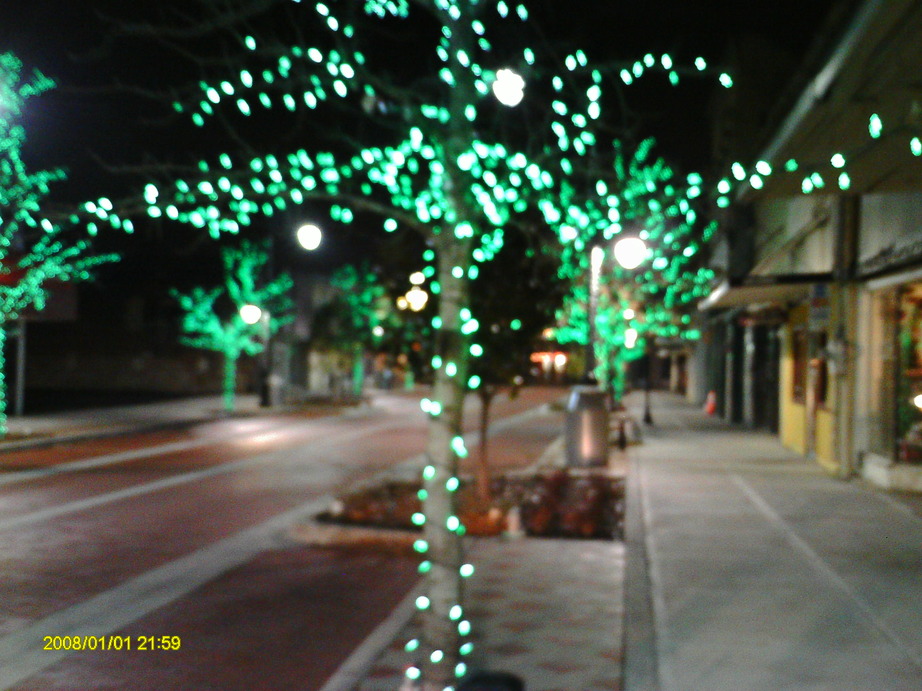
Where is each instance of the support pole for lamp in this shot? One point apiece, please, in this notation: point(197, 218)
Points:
point(648, 382)
point(596, 255)
point(265, 375)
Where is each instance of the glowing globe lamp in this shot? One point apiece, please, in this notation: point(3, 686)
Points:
point(630, 252)
point(309, 236)
point(250, 314)
point(509, 87)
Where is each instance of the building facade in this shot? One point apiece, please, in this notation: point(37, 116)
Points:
point(816, 332)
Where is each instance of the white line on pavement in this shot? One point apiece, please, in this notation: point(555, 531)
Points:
point(356, 666)
point(185, 478)
point(126, 456)
point(22, 654)
point(819, 565)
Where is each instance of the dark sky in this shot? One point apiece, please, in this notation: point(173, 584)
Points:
point(68, 40)
point(63, 36)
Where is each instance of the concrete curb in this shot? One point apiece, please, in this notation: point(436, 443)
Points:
point(317, 534)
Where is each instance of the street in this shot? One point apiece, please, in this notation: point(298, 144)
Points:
point(161, 560)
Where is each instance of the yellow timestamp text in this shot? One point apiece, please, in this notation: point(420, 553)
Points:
point(112, 642)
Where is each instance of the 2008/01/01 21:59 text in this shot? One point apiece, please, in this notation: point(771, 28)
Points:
point(112, 642)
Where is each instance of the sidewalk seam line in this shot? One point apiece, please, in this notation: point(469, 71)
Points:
point(824, 569)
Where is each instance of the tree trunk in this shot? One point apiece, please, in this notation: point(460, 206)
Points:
point(3, 400)
point(230, 381)
point(487, 393)
point(443, 645)
point(358, 370)
point(442, 612)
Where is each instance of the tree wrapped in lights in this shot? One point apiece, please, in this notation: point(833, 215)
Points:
point(216, 318)
point(639, 197)
point(413, 134)
point(35, 245)
point(350, 320)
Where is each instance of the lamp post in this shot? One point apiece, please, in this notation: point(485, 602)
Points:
point(253, 314)
point(309, 237)
point(647, 415)
point(596, 257)
point(630, 253)
point(508, 87)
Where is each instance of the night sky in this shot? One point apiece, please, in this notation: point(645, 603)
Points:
point(68, 40)
point(86, 120)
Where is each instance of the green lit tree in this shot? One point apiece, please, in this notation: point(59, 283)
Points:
point(216, 318)
point(409, 131)
point(350, 319)
point(37, 246)
point(514, 318)
point(640, 197)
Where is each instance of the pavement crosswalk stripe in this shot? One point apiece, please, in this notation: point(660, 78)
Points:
point(185, 478)
point(22, 654)
point(126, 456)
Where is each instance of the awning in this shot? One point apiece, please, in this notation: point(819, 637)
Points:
point(756, 291)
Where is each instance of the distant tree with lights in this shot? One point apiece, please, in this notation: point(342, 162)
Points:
point(217, 318)
point(351, 318)
point(408, 131)
point(37, 246)
point(641, 198)
point(513, 319)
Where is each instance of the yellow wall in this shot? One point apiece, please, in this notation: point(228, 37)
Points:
point(792, 418)
point(793, 426)
point(825, 427)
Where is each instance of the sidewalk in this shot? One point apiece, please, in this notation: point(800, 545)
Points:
point(748, 568)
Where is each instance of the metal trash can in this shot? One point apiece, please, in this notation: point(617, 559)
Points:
point(586, 427)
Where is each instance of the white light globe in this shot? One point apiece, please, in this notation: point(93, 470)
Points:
point(508, 87)
point(250, 314)
point(417, 298)
point(309, 236)
point(630, 252)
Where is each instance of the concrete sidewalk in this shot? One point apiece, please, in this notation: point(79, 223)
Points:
point(748, 568)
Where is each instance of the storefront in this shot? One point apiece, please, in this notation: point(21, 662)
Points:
point(888, 432)
point(892, 372)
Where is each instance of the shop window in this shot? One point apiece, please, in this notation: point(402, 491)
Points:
point(909, 381)
point(799, 355)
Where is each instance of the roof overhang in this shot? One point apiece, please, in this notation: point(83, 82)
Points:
point(761, 291)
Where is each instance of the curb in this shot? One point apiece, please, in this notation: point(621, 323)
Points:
point(316, 534)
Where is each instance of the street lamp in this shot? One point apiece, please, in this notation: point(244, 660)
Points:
point(416, 298)
point(309, 236)
point(508, 87)
point(630, 252)
point(252, 315)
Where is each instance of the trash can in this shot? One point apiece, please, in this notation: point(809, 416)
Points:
point(586, 427)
